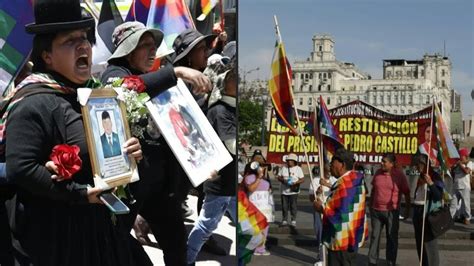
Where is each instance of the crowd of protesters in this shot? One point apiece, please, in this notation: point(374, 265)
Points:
point(389, 185)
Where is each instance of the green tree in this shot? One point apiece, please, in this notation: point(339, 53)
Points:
point(250, 121)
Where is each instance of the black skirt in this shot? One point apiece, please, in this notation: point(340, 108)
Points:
point(57, 233)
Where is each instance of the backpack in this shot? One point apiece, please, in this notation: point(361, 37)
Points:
point(7, 189)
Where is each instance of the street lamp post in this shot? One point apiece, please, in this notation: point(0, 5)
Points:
point(245, 73)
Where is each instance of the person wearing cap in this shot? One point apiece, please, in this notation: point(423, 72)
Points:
point(429, 182)
point(59, 222)
point(135, 51)
point(462, 187)
point(220, 191)
point(290, 176)
point(258, 188)
point(192, 50)
point(258, 156)
point(344, 218)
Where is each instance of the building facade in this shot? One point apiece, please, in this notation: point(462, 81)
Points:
point(406, 87)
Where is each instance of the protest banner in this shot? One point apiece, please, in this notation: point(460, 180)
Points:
point(366, 130)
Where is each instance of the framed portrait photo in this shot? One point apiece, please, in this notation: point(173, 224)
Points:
point(107, 129)
point(189, 134)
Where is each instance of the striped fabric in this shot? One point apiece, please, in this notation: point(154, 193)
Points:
point(331, 139)
point(207, 6)
point(447, 152)
point(345, 226)
point(170, 16)
point(250, 226)
point(15, 43)
point(280, 88)
point(7, 104)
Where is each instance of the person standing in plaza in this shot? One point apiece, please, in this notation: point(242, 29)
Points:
point(259, 193)
point(462, 187)
point(323, 189)
point(345, 226)
point(432, 181)
point(290, 176)
point(388, 184)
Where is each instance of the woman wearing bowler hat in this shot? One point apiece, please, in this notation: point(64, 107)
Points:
point(59, 222)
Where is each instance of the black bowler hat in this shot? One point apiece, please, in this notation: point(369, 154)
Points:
point(58, 15)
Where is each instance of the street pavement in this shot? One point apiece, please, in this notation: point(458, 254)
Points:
point(297, 247)
point(224, 235)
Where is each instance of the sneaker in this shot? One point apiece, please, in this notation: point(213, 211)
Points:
point(263, 253)
point(293, 223)
point(319, 263)
point(284, 223)
point(212, 246)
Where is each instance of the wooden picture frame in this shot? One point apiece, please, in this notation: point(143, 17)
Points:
point(106, 129)
point(188, 133)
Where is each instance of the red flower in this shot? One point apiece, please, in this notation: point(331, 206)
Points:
point(66, 158)
point(134, 83)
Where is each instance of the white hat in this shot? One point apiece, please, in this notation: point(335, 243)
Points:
point(292, 157)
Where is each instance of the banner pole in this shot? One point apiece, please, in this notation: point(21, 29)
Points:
point(321, 176)
point(426, 185)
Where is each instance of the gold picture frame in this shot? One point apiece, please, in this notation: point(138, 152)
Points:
point(106, 129)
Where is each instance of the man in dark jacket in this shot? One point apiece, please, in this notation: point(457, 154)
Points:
point(219, 192)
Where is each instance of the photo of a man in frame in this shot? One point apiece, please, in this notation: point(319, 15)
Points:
point(110, 140)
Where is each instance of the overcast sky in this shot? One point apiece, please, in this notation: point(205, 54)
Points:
point(365, 32)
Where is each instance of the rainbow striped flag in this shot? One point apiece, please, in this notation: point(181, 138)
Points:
point(345, 225)
point(15, 43)
point(330, 135)
point(447, 152)
point(280, 88)
point(206, 7)
point(249, 228)
point(170, 16)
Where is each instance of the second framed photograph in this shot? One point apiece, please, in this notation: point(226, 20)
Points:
point(188, 132)
point(107, 130)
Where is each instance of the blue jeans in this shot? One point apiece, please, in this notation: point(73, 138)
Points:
point(318, 230)
point(211, 214)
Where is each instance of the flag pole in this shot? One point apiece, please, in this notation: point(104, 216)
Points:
point(321, 176)
point(320, 150)
point(222, 15)
point(294, 105)
point(426, 185)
